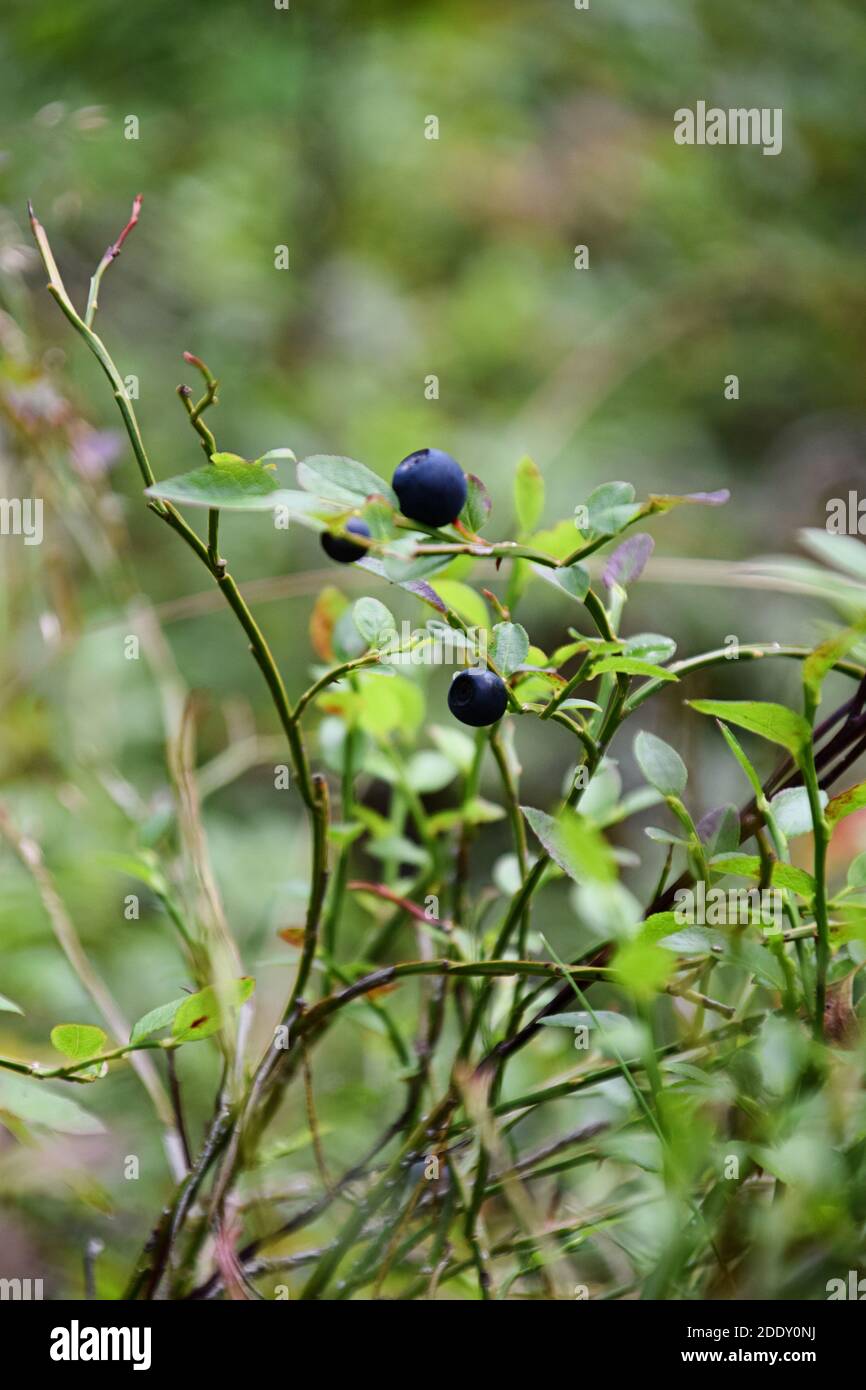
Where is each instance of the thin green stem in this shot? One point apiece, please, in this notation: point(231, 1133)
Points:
point(563, 694)
point(71, 1071)
point(755, 651)
point(337, 673)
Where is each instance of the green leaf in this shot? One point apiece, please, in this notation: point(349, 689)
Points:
point(694, 941)
point(602, 792)
point(846, 803)
point(650, 646)
point(574, 844)
point(573, 579)
point(379, 516)
point(842, 552)
point(641, 1150)
point(773, 722)
point(642, 967)
point(660, 764)
point(9, 1006)
point(160, 1017)
point(313, 513)
point(277, 454)
point(664, 837)
point(758, 961)
point(474, 812)
point(611, 507)
point(374, 621)
point(380, 705)
point(35, 1103)
point(628, 666)
point(828, 585)
point(658, 926)
point(476, 508)
point(397, 847)
point(510, 647)
point(607, 909)
point(737, 750)
point(143, 866)
point(465, 601)
point(528, 494)
point(749, 866)
point(820, 661)
point(342, 479)
point(857, 871)
point(635, 801)
point(346, 640)
point(202, 1014)
point(231, 485)
point(850, 925)
point(78, 1041)
point(595, 645)
point(345, 832)
point(792, 813)
point(459, 748)
point(396, 703)
point(427, 771)
point(558, 541)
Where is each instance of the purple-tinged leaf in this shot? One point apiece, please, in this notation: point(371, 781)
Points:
point(710, 499)
point(626, 564)
point(476, 508)
point(719, 829)
point(416, 586)
point(662, 502)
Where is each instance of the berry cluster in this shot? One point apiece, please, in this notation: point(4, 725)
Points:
point(431, 489)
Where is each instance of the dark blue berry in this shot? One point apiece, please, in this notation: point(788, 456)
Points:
point(477, 697)
point(430, 486)
point(343, 551)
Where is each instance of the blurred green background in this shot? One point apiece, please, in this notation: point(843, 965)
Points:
point(409, 258)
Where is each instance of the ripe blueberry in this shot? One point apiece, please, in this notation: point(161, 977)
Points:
point(343, 551)
point(430, 486)
point(477, 697)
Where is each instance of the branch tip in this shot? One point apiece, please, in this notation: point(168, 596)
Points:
point(114, 250)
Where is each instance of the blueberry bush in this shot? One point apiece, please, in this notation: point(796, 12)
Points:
point(700, 1131)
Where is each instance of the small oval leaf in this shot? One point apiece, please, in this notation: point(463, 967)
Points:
point(78, 1041)
point(202, 1014)
point(660, 764)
